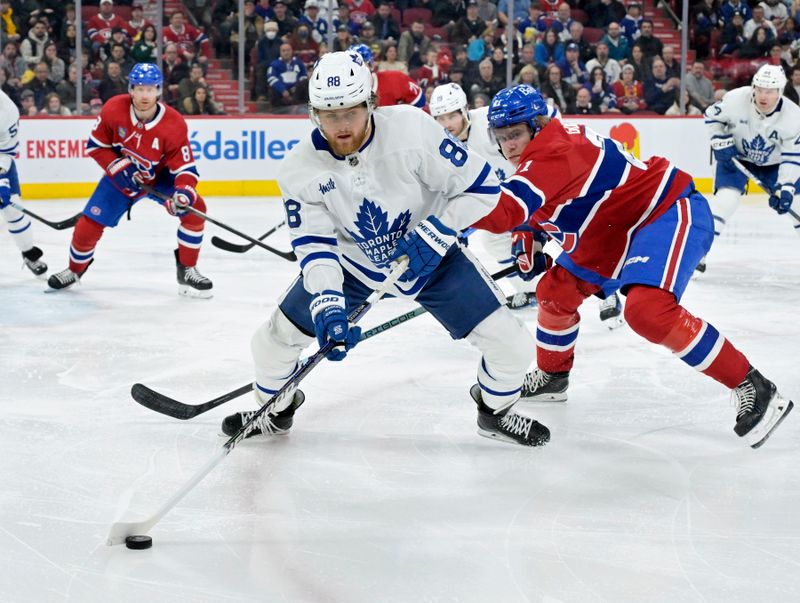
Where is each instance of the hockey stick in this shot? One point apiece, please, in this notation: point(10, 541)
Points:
point(62, 225)
point(286, 255)
point(234, 248)
point(120, 530)
point(740, 166)
point(165, 405)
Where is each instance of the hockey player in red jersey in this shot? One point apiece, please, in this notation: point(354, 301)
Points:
point(640, 227)
point(138, 140)
point(391, 87)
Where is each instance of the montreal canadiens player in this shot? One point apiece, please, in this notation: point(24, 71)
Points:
point(364, 188)
point(762, 129)
point(640, 227)
point(391, 87)
point(19, 225)
point(139, 140)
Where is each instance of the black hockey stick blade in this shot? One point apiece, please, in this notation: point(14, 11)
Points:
point(234, 248)
point(173, 408)
point(62, 225)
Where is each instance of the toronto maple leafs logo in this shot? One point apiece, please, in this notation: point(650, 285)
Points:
point(757, 150)
point(375, 237)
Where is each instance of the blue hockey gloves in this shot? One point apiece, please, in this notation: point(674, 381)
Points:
point(724, 150)
point(182, 197)
point(781, 201)
point(526, 248)
point(5, 189)
point(123, 174)
point(425, 247)
point(330, 323)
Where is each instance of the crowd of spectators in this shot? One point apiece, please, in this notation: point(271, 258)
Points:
point(586, 56)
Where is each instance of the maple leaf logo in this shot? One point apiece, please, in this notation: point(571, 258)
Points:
point(375, 236)
point(757, 150)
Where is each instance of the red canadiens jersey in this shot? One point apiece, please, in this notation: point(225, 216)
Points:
point(159, 144)
point(588, 194)
point(396, 88)
point(99, 30)
point(188, 39)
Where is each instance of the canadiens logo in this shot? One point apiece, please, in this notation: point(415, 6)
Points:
point(122, 132)
point(757, 149)
point(94, 210)
point(567, 240)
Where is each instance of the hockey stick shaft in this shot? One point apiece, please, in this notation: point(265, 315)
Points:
point(121, 530)
point(740, 166)
point(235, 248)
point(286, 255)
point(165, 405)
point(62, 225)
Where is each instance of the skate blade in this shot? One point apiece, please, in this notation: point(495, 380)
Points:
point(187, 291)
point(614, 322)
point(562, 397)
point(757, 437)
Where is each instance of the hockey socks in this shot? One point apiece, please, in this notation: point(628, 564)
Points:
point(190, 235)
point(84, 239)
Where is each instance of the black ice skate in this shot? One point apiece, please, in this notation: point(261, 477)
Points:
point(611, 311)
point(759, 408)
point(507, 425)
point(524, 299)
point(66, 278)
point(540, 386)
point(191, 283)
point(269, 424)
point(701, 266)
point(31, 259)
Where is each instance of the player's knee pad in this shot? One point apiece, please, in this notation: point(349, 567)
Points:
point(276, 345)
point(652, 313)
point(559, 295)
point(86, 234)
point(723, 205)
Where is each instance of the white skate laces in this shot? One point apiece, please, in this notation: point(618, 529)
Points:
point(516, 424)
point(744, 398)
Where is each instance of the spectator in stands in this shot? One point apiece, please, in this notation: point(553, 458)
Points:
point(67, 90)
point(100, 25)
point(413, 45)
point(386, 28)
point(733, 39)
point(317, 26)
point(600, 91)
point(640, 63)
point(305, 48)
point(757, 21)
point(776, 57)
point(27, 103)
point(689, 108)
point(57, 68)
point(651, 46)
point(14, 64)
point(187, 85)
point(603, 13)
point(792, 90)
point(113, 83)
point(527, 75)
point(487, 81)
point(480, 100)
point(659, 90)
point(253, 29)
point(563, 22)
point(53, 106)
point(32, 47)
point(733, 6)
point(573, 71)
point(556, 89)
point(446, 12)
point(430, 74)
point(344, 18)
point(264, 10)
point(267, 51)
point(40, 85)
point(146, 48)
point(360, 10)
point(469, 27)
point(8, 88)
point(343, 39)
point(617, 43)
point(10, 25)
point(95, 106)
point(757, 46)
point(776, 12)
point(534, 25)
point(585, 51)
point(611, 67)
point(137, 21)
point(527, 56)
point(369, 37)
point(390, 61)
point(117, 37)
point(498, 59)
point(629, 92)
point(174, 71)
point(192, 43)
point(287, 79)
point(672, 63)
point(119, 55)
point(67, 44)
point(631, 23)
point(199, 103)
point(487, 11)
point(549, 50)
point(583, 104)
point(699, 87)
point(707, 19)
point(520, 12)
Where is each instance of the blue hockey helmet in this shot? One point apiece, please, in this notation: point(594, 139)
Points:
point(145, 74)
point(515, 105)
point(364, 51)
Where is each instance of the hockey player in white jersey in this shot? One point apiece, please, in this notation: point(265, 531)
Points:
point(19, 225)
point(367, 186)
point(449, 106)
point(762, 129)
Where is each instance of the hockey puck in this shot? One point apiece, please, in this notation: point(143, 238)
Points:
point(138, 542)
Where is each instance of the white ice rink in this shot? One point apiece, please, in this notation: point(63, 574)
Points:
point(383, 491)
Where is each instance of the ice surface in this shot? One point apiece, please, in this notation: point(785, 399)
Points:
point(383, 492)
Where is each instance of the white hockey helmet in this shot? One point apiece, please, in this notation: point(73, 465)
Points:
point(340, 80)
point(448, 98)
point(770, 76)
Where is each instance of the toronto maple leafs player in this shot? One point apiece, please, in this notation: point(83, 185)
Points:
point(762, 129)
point(19, 225)
point(366, 187)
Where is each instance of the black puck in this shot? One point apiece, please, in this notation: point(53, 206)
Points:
point(138, 542)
